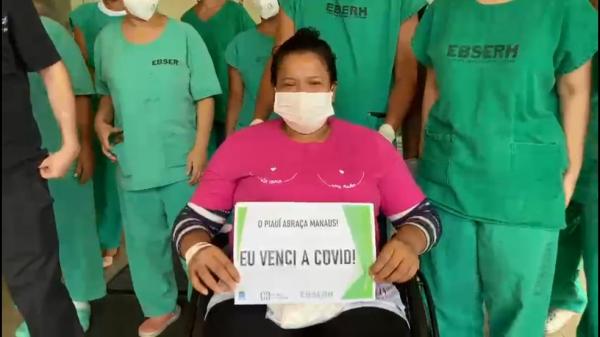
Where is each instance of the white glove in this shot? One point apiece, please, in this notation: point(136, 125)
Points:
point(387, 131)
point(256, 122)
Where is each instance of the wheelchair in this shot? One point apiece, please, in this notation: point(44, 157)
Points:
point(415, 294)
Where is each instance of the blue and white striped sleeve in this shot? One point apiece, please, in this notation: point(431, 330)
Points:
point(193, 217)
point(424, 217)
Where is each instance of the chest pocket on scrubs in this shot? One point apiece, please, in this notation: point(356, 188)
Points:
point(434, 162)
point(537, 170)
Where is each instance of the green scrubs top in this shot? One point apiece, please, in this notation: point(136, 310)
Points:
point(90, 18)
point(154, 88)
point(217, 32)
point(249, 53)
point(364, 36)
point(494, 147)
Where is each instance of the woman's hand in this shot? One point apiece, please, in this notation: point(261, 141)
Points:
point(397, 263)
point(104, 131)
point(208, 263)
point(85, 163)
point(195, 164)
point(569, 185)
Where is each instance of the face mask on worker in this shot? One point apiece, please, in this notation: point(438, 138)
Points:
point(267, 8)
point(143, 9)
point(304, 112)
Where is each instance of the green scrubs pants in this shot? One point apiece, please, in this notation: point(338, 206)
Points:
point(567, 291)
point(507, 268)
point(80, 257)
point(107, 201)
point(148, 217)
point(588, 327)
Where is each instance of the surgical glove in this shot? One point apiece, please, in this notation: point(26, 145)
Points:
point(387, 131)
point(256, 122)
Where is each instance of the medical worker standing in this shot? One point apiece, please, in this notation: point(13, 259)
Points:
point(496, 161)
point(87, 21)
point(588, 327)
point(218, 22)
point(157, 80)
point(247, 55)
point(580, 239)
point(73, 195)
point(378, 71)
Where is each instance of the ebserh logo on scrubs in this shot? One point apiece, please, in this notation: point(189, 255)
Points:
point(170, 62)
point(347, 11)
point(484, 53)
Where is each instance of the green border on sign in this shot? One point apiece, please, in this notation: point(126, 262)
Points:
point(360, 221)
point(239, 227)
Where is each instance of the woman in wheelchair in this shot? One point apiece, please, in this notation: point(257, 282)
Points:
point(306, 156)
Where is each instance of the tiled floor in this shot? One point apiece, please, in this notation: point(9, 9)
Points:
point(11, 318)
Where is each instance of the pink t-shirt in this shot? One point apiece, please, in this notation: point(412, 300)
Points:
point(354, 164)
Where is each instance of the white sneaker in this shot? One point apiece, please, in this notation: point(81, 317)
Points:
point(557, 319)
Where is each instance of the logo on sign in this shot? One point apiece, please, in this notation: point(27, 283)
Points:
point(265, 296)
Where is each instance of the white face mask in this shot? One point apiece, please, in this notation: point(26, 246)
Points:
point(267, 8)
point(304, 112)
point(143, 9)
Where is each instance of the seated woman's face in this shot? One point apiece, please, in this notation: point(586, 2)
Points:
point(303, 72)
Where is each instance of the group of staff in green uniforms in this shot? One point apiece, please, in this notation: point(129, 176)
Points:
point(506, 145)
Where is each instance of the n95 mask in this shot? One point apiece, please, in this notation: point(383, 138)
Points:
point(267, 8)
point(304, 112)
point(143, 9)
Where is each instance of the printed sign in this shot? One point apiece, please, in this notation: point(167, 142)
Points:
point(304, 252)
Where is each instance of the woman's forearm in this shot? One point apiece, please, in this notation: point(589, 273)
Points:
point(412, 236)
point(233, 114)
point(420, 227)
point(192, 238)
point(266, 95)
point(105, 113)
point(574, 91)
point(405, 76)
point(60, 94)
point(85, 122)
point(205, 110)
point(236, 99)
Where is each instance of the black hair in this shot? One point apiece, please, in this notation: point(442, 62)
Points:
point(305, 40)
